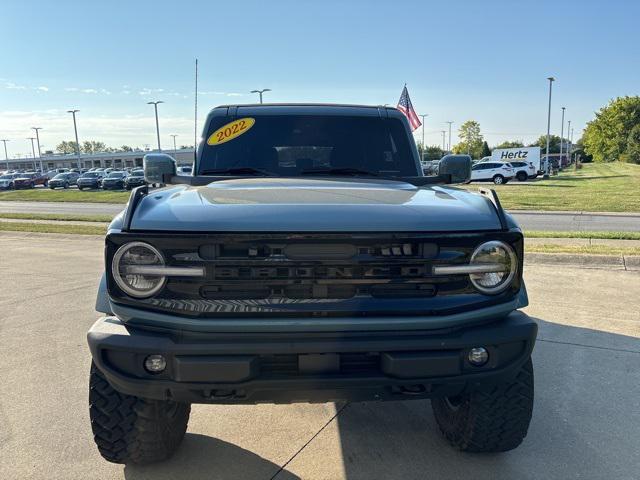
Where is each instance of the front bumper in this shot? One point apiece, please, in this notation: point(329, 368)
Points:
point(247, 368)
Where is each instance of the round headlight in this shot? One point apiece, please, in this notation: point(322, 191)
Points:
point(499, 255)
point(136, 254)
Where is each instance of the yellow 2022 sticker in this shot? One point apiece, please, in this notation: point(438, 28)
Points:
point(230, 131)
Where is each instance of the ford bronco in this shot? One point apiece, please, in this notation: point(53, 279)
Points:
point(307, 259)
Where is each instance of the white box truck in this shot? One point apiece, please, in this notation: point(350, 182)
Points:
point(522, 154)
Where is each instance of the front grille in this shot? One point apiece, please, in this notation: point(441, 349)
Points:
point(312, 274)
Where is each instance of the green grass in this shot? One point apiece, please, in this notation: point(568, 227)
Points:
point(53, 228)
point(583, 234)
point(61, 195)
point(597, 187)
point(63, 217)
point(589, 250)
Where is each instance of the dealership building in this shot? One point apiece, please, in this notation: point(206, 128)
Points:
point(103, 160)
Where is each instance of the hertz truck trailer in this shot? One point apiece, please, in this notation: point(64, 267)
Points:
point(523, 154)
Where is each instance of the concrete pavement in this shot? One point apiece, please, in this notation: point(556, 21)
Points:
point(529, 220)
point(586, 421)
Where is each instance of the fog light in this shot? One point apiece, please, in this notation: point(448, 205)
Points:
point(155, 363)
point(478, 356)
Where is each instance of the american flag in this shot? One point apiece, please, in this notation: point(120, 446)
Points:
point(405, 106)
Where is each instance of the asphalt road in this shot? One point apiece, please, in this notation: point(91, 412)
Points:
point(586, 421)
point(571, 221)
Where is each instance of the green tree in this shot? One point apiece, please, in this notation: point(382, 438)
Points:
point(471, 139)
point(607, 136)
point(486, 151)
point(578, 150)
point(511, 144)
point(126, 148)
point(554, 144)
point(92, 146)
point(433, 152)
point(632, 153)
point(67, 147)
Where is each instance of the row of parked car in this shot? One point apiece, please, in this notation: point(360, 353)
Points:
point(487, 170)
point(95, 178)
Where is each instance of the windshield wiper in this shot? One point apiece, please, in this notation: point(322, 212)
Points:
point(238, 171)
point(338, 171)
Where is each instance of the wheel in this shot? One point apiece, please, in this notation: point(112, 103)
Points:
point(52, 187)
point(522, 176)
point(66, 185)
point(495, 420)
point(128, 187)
point(31, 185)
point(130, 429)
point(80, 188)
point(498, 180)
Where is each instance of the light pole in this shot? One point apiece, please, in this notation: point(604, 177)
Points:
point(175, 150)
point(449, 146)
point(444, 133)
point(38, 141)
point(75, 129)
point(33, 151)
point(6, 156)
point(546, 169)
point(155, 106)
point(260, 92)
point(423, 147)
point(561, 139)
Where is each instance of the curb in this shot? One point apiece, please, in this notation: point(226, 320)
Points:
point(574, 212)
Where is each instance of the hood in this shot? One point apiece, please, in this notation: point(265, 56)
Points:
point(313, 205)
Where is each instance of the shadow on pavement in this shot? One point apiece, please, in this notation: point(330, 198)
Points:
point(203, 457)
point(586, 421)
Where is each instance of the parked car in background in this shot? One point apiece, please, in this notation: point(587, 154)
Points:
point(90, 180)
point(496, 172)
point(184, 170)
point(524, 170)
point(135, 179)
point(430, 167)
point(63, 180)
point(29, 180)
point(114, 181)
point(6, 181)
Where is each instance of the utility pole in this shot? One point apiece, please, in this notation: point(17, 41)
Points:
point(444, 133)
point(570, 142)
point(75, 129)
point(546, 170)
point(33, 151)
point(155, 106)
point(449, 146)
point(260, 92)
point(175, 150)
point(6, 156)
point(38, 141)
point(561, 139)
point(423, 146)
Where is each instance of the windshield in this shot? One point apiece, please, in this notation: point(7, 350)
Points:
point(60, 176)
point(6, 177)
point(137, 173)
point(116, 175)
point(290, 144)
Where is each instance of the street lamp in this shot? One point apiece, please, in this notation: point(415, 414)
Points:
point(75, 129)
point(423, 147)
point(6, 156)
point(569, 138)
point(175, 150)
point(449, 146)
point(561, 139)
point(260, 92)
point(546, 170)
point(33, 151)
point(444, 133)
point(38, 141)
point(155, 106)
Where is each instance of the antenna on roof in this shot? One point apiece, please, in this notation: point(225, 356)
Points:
point(195, 119)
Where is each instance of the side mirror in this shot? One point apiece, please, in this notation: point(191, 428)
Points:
point(458, 167)
point(156, 166)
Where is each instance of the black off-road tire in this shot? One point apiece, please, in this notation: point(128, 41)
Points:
point(495, 420)
point(130, 429)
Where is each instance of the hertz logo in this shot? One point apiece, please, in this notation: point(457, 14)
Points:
point(511, 155)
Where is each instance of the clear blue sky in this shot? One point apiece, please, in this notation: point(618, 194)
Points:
point(483, 60)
